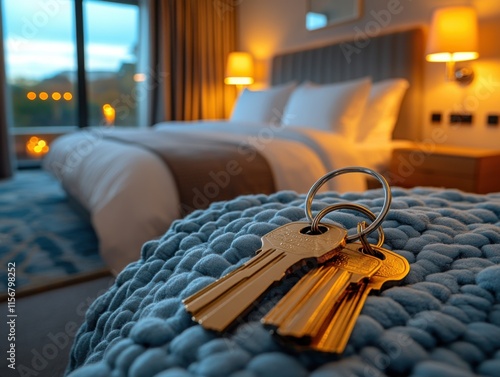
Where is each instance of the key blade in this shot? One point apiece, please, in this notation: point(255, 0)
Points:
point(302, 322)
point(336, 330)
point(303, 311)
point(288, 311)
point(219, 304)
point(212, 291)
point(335, 334)
point(297, 294)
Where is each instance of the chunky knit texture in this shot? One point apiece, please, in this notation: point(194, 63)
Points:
point(442, 320)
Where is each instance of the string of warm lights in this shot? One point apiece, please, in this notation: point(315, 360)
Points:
point(56, 96)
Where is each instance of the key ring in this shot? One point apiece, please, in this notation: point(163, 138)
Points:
point(366, 247)
point(356, 207)
point(355, 169)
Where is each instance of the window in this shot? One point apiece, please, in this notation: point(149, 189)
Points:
point(44, 53)
point(111, 49)
point(40, 62)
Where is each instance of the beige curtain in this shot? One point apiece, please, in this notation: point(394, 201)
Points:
point(6, 159)
point(189, 43)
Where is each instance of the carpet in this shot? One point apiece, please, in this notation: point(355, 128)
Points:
point(47, 239)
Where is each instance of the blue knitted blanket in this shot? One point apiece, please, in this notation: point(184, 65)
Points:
point(443, 320)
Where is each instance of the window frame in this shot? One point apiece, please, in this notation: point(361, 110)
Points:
point(82, 99)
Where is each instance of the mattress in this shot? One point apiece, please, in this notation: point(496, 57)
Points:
point(442, 320)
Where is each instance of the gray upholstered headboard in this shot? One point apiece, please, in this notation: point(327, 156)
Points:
point(387, 56)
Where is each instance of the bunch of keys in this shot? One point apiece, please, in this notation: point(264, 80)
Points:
point(324, 322)
point(320, 311)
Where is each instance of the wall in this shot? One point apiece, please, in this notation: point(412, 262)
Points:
point(268, 27)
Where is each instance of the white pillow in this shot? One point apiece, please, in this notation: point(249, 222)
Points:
point(382, 110)
point(263, 106)
point(334, 107)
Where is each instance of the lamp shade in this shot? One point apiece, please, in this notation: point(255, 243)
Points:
point(452, 35)
point(239, 69)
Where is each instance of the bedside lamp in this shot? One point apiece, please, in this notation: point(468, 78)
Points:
point(453, 38)
point(239, 69)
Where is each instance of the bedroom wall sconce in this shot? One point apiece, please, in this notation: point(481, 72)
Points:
point(239, 69)
point(453, 38)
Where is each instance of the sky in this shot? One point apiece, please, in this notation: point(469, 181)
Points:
point(39, 36)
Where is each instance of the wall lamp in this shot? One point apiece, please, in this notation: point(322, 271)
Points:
point(453, 38)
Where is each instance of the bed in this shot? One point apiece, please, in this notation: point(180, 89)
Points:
point(132, 197)
point(346, 111)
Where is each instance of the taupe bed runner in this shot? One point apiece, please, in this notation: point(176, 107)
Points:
point(205, 171)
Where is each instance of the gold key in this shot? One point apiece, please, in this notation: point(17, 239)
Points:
point(337, 328)
point(216, 306)
point(307, 306)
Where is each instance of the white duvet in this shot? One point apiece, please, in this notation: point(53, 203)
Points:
point(130, 193)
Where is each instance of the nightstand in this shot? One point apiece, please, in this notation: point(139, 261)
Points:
point(467, 169)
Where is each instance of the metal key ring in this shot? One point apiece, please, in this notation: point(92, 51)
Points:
point(366, 245)
point(356, 207)
point(355, 169)
point(366, 248)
